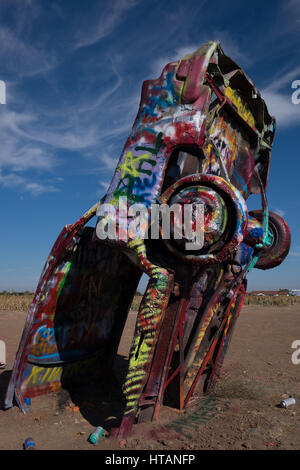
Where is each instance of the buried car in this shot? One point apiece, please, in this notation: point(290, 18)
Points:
point(202, 136)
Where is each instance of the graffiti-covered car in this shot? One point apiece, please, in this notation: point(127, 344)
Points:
point(202, 137)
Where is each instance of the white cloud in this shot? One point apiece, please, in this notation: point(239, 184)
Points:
point(56, 133)
point(103, 188)
point(36, 188)
point(16, 153)
point(279, 102)
point(178, 54)
point(80, 125)
point(296, 251)
point(21, 158)
point(285, 79)
point(32, 137)
point(109, 19)
point(104, 184)
point(11, 180)
point(280, 212)
point(230, 47)
point(292, 7)
point(21, 58)
point(109, 162)
point(23, 184)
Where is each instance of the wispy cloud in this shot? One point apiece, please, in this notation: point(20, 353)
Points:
point(230, 46)
point(36, 133)
point(279, 101)
point(108, 162)
point(292, 8)
point(21, 58)
point(283, 80)
point(33, 134)
point(280, 211)
point(36, 188)
point(57, 134)
point(177, 54)
point(109, 19)
point(103, 188)
point(296, 251)
point(17, 153)
point(24, 184)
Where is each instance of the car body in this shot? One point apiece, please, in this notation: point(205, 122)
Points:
point(202, 133)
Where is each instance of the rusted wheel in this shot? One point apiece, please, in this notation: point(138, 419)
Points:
point(225, 218)
point(280, 239)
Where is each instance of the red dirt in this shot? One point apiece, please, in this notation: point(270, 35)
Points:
point(242, 412)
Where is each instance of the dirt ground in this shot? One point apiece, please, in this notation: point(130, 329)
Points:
point(242, 412)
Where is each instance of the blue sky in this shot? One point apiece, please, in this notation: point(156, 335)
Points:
point(73, 72)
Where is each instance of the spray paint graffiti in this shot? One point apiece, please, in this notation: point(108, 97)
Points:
point(132, 183)
point(241, 106)
point(202, 134)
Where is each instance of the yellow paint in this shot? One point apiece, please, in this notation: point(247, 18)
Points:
point(205, 325)
point(43, 346)
point(143, 350)
point(148, 320)
point(224, 138)
point(128, 167)
point(242, 108)
point(41, 375)
point(194, 364)
point(227, 325)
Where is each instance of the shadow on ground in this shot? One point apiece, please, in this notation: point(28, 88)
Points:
point(100, 400)
point(4, 380)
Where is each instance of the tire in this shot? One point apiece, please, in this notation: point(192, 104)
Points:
point(275, 254)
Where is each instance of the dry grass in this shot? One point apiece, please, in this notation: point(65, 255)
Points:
point(15, 301)
point(264, 300)
point(136, 302)
point(271, 300)
point(22, 301)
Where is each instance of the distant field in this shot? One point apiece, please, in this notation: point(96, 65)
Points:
point(269, 300)
point(15, 301)
point(22, 301)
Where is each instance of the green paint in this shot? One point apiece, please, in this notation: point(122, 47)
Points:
point(267, 239)
point(62, 282)
point(200, 416)
point(154, 150)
